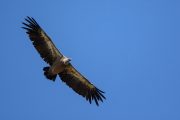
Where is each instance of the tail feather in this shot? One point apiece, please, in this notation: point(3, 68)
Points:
point(47, 75)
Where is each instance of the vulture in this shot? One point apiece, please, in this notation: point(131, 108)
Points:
point(59, 64)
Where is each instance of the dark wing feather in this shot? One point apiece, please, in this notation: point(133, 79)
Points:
point(41, 41)
point(81, 85)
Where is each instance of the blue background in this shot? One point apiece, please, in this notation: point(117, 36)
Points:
point(128, 48)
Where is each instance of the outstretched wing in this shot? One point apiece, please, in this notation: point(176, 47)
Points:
point(81, 85)
point(41, 41)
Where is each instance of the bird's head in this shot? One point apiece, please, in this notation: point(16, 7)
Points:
point(66, 60)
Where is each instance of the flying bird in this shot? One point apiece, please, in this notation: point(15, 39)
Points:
point(59, 64)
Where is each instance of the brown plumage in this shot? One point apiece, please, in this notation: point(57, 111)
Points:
point(59, 64)
point(41, 41)
point(80, 84)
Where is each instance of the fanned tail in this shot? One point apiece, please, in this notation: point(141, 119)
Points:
point(47, 75)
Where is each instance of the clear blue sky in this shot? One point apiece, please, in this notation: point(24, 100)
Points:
point(128, 48)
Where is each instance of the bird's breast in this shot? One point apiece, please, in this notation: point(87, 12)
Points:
point(57, 67)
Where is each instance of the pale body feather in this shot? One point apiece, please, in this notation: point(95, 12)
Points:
point(58, 66)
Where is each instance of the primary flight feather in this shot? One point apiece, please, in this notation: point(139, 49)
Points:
point(59, 64)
